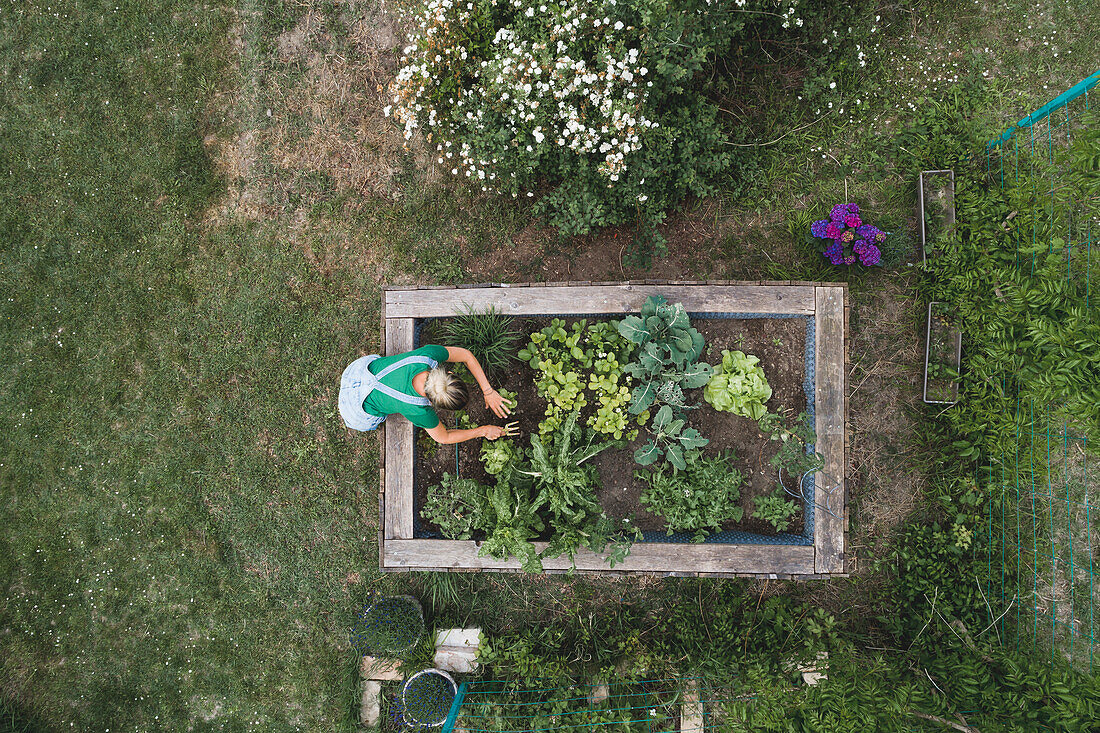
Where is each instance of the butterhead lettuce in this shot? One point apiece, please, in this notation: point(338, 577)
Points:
point(739, 386)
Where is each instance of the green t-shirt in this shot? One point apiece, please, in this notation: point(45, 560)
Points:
point(378, 403)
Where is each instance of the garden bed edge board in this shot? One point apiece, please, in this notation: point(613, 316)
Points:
point(825, 302)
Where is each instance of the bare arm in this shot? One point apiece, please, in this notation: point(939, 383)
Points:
point(447, 437)
point(493, 400)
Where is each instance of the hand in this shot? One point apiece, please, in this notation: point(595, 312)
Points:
point(497, 404)
point(491, 432)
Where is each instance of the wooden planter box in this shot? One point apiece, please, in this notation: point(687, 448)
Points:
point(942, 349)
point(936, 203)
point(822, 304)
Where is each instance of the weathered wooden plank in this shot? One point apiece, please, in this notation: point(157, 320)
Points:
point(611, 299)
point(399, 446)
point(829, 425)
point(644, 557)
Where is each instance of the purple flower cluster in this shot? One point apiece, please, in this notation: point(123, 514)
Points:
point(847, 238)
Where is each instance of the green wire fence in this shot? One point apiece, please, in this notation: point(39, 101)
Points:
point(1043, 531)
point(648, 706)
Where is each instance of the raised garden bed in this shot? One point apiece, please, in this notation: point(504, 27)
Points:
point(797, 330)
point(942, 357)
point(936, 202)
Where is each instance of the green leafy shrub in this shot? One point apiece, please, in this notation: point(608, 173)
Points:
point(739, 386)
point(489, 335)
point(596, 104)
point(457, 506)
point(390, 625)
point(702, 496)
point(941, 568)
point(669, 438)
point(776, 509)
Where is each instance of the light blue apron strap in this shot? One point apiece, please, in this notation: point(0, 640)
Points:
point(418, 359)
point(401, 396)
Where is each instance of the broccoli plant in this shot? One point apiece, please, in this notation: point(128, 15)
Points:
point(668, 361)
point(669, 438)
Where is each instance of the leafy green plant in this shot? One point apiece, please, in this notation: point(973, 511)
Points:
point(776, 509)
point(489, 335)
point(497, 454)
point(565, 483)
point(457, 506)
point(512, 521)
point(669, 438)
point(389, 625)
point(700, 497)
point(579, 364)
point(928, 562)
point(938, 370)
point(669, 350)
point(739, 386)
point(793, 459)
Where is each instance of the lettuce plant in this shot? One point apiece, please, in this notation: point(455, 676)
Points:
point(497, 454)
point(739, 386)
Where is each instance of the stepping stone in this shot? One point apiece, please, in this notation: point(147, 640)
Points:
point(375, 668)
point(691, 709)
point(814, 672)
point(456, 650)
point(599, 694)
point(370, 710)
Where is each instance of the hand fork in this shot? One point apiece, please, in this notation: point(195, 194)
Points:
point(511, 429)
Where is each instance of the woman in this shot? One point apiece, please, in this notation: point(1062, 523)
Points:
point(414, 385)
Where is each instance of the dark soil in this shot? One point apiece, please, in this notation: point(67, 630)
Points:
point(780, 345)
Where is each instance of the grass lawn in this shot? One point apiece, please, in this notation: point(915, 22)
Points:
point(198, 206)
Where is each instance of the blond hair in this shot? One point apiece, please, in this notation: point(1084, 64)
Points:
point(444, 390)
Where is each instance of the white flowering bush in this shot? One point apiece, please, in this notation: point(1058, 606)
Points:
point(597, 106)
